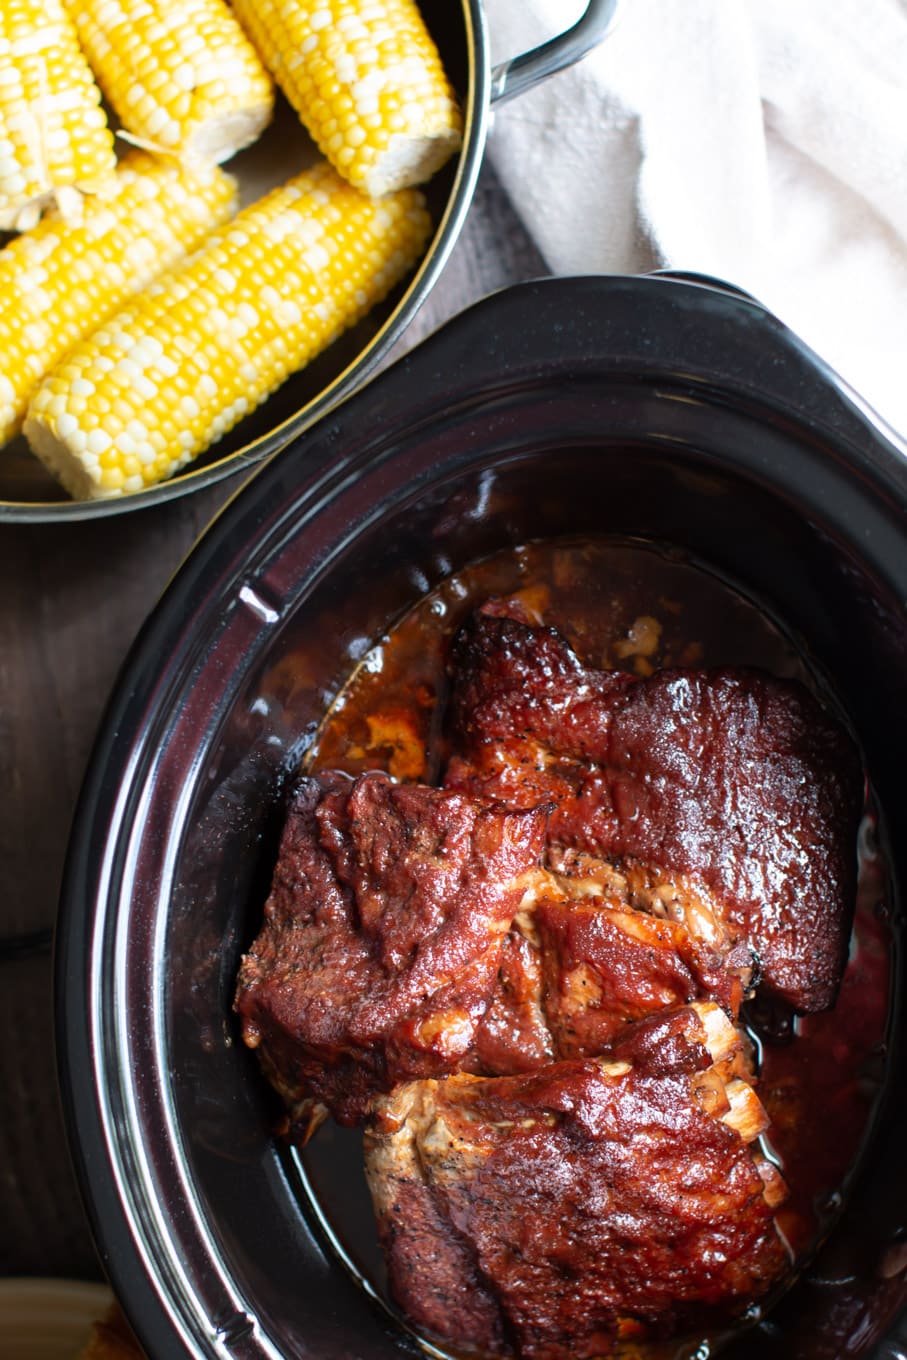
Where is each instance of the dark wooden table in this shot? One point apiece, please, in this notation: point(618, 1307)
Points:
point(73, 598)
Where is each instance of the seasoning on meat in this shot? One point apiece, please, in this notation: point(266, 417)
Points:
point(546, 1214)
point(732, 777)
point(382, 937)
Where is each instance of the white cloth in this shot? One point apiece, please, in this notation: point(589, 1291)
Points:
point(760, 141)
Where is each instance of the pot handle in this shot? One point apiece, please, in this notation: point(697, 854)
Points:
point(514, 77)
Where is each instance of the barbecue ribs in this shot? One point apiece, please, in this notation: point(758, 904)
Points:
point(583, 959)
point(382, 937)
point(525, 985)
point(548, 1214)
point(732, 781)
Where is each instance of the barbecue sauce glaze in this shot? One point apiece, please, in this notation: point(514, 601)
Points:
point(633, 606)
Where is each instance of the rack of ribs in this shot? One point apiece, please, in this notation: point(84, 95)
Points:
point(729, 781)
point(550, 1213)
point(382, 937)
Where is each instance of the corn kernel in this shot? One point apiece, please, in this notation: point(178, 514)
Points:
point(181, 206)
point(369, 86)
point(53, 134)
point(236, 321)
point(180, 74)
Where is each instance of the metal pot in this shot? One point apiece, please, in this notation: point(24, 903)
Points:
point(26, 490)
point(667, 410)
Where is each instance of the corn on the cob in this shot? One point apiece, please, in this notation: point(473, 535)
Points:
point(171, 373)
point(59, 281)
point(367, 81)
point(53, 131)
point(179, 74)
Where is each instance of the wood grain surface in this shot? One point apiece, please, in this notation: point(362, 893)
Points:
point(73, 598)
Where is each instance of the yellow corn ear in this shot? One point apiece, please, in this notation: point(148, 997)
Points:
point(367, 81)
point(179, 74)
point(59, 281)
point(171, 373)
point(53, 132)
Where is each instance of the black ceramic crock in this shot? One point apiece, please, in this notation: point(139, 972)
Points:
point(667, 410)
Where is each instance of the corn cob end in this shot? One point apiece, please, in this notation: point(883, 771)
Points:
point(411, 160)
point(223, 135)
point(367, 81)
point(24, 216)
point(61, 279)
point(181, 75)
point(70, 471)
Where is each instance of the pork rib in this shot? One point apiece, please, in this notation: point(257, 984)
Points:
point(382, 936)
point(731, 777)
point(546, 1214)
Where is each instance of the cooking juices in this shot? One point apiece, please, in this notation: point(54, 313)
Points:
point(627, 605)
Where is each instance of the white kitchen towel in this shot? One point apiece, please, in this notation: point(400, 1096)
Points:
point(760, 141)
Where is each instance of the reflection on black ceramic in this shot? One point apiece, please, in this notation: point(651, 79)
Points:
point(647, 408)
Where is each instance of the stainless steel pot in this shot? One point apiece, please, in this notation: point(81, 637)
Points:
point(460, 29)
